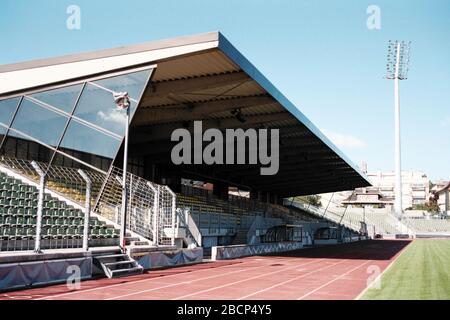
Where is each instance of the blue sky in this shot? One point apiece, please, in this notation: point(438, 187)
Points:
point(320, 54)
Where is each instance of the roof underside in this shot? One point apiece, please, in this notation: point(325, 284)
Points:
point(208, 83)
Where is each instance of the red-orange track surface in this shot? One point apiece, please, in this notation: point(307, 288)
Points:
point(333, 272)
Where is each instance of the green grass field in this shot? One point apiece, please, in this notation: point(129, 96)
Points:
point(421, 272)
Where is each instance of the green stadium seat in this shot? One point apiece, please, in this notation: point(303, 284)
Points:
point(11, 233)
point(77, 221)
point(30, 233)
point(20, 233)
point(61, 232)
point(95, 233)
point(30, 221)
point(4, 233)
point(20, 220)
point(71, 232)
point(6, 186)
point(48, 221)
point(10, 220)
point(20, 212)
point(79, 230)
point(47, 232)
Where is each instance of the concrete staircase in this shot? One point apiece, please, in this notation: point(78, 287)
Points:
point(240, 237)
point(117, 264)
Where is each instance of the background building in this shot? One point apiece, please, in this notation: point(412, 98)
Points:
point(416, 186)
point(440, 191)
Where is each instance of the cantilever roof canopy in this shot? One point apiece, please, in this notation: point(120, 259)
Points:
point(203, 77)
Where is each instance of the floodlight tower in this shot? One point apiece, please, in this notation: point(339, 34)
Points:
point(397, 69)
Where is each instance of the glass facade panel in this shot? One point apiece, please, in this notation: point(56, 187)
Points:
point(133, 83)
point(85, 139)
point(62, 98)
point(97, 105)
point(7, 108)
point(44, 117)
point(39, 123)
point(2, 132)
point(19, 147)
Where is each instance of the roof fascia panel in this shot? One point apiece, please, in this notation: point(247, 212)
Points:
point(23, 79)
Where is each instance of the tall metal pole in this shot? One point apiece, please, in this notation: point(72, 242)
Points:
point(123, 102)
point(397, 69)
point(123, 227)
point(398, 156)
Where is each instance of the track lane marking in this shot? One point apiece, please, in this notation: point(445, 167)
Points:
point(244, 280)
point(138, 281)
point(195, 280)
point(290, 280)
point(331, 281)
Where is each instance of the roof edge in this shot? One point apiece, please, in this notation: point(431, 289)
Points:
point(118, 51)
point(238, 58)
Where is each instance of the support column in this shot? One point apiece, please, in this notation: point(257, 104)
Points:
point(220, 190)
point(87, 210)
point(37, 243)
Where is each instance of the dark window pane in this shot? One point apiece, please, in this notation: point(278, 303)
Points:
point(62, 98)
point(97, 105)
point(19, 147)
point(7, 108)
point(39, 123)
point(85, 139)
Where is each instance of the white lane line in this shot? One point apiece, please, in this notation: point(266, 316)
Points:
point(244, 280)
point(138, 281)
point(190, 281)
point(290, 280)
point(331, 281)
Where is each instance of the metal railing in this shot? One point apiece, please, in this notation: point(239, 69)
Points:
point(35, 216)
point(187, 222)
point(151, 207)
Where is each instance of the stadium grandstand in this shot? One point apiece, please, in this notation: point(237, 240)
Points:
point(377, 222)
point(62, 150)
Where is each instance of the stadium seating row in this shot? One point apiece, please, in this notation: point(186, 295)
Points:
point(429, 225)
point(18, 215)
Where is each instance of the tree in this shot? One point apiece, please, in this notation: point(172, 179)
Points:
point(433, 206)
point(430, 206)
point(312, 200)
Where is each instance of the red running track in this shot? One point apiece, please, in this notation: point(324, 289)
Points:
point(333, 272)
